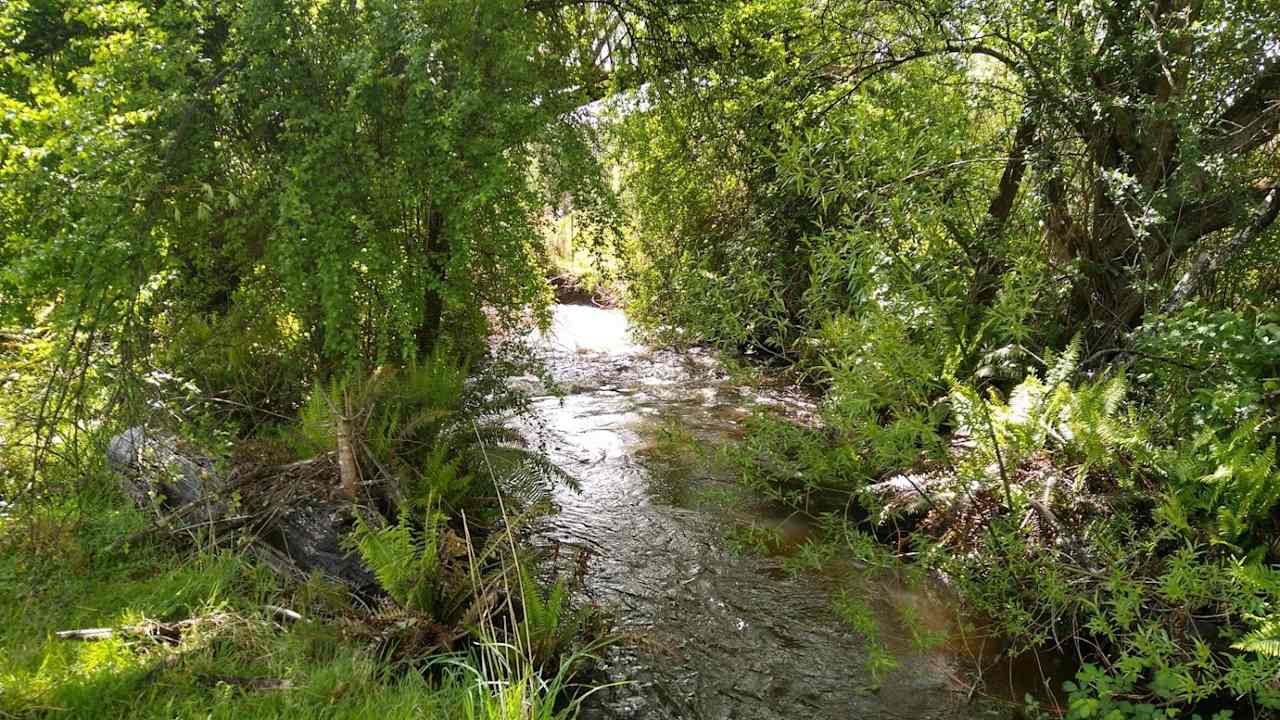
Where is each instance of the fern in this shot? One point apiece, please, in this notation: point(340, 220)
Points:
point(1091, 426)
point(1082, 423)
point(1065, 365)
point(527, 475)
point(550, 624)
point(1264, 640)
point(1245, 486)
point(405, 560)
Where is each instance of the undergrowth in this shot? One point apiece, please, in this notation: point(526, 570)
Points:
point(235, 637)
point(459, 626)
point(1126, 520)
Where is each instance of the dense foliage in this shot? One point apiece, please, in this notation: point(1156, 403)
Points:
point(1024, 251)
point(285, 231)
point(353, 181)
point(825, 160)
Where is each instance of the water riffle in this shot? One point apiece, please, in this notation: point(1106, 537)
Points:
point(708, 632)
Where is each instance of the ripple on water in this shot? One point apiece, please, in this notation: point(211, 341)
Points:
point(708, 633)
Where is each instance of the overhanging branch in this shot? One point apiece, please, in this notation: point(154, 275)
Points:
point(1212, 260)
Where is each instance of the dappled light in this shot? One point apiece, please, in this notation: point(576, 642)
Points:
point(640, 359)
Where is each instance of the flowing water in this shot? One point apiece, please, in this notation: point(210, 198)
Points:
point(709, 632)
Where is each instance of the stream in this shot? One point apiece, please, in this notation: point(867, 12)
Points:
point(708, 631)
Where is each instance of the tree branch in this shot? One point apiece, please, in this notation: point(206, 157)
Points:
point(989, 265)
point(1211, 260)
point(1254, 118)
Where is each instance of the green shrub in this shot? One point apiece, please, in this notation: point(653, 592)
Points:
point(406, 558)
point(251, 366)
point(419, 429)
point(1211, 370)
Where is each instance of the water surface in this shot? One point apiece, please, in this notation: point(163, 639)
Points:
point(710, 632)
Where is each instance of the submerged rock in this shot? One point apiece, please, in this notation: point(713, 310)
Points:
point(528, 384)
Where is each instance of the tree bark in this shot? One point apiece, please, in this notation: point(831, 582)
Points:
point(434, 261)
point(989, 265)
point(348, 470)
point(1254, 118)
point(1212, 260)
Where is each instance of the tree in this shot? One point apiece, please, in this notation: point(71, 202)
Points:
point(1154, 127)
point(373, 173)
point(1132, 135)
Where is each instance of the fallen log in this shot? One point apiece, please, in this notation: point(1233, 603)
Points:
point(290, 516)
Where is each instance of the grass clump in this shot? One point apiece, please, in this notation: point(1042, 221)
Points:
point(235, 656)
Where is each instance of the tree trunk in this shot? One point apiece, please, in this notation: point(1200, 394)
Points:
point(1210, 261)
point(435, 249)
point(348, 470)
point(989, 264)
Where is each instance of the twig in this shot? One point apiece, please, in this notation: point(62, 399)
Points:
point(285, 613)
point(995, 443)
point(167, 632)
point(165, 522)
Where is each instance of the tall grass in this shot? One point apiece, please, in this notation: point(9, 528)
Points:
point(233, 635)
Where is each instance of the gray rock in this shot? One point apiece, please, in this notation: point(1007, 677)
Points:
point(155, 475)
point(296, 532)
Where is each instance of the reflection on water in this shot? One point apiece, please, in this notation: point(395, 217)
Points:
point(711, 633)
point(585, 328)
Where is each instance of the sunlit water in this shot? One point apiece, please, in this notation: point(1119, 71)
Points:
point(708, 632)
point(589, 329)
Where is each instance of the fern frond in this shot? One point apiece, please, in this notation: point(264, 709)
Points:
point(1264, 640)
point(405, 561)
point(1065, 364)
